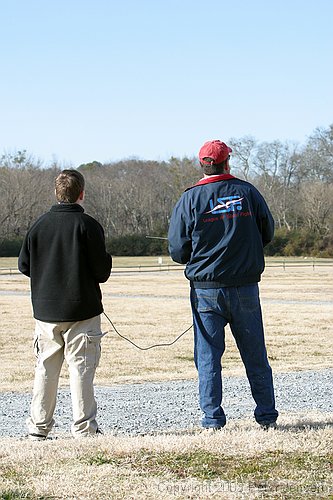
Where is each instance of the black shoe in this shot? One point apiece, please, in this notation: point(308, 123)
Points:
point(37, 437)
point(268, 425)
point(213, 429)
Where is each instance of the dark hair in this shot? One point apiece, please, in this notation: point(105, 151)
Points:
point(214, 168)
point(68, 186)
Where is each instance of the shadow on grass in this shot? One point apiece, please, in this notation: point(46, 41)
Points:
point(305, 425)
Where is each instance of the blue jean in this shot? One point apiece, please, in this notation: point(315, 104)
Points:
point(213, 309)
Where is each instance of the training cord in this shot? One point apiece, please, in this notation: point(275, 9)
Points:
point(151, 346)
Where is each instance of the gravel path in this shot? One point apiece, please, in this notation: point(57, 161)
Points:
point(172, 406)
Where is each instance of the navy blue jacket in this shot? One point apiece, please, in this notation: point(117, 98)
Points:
point(218, 228)
point(64, 255)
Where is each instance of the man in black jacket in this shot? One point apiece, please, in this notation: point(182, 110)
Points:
point(218, 229)
point(65, 257)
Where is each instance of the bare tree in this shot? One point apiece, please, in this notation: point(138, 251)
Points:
point(317, 156)
point(276, 175)
point(24, 195)
point(316, 206)
point(242, 156)
point(137, 197)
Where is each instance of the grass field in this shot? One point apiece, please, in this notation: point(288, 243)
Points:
point(153, 307)
point(242, 461)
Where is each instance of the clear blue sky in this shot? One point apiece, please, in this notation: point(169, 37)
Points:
point(85, 80)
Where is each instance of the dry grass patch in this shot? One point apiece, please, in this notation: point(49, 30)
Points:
point(152, 308)
point(293, 462)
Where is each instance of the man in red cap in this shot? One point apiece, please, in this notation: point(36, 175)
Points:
point(219, 228)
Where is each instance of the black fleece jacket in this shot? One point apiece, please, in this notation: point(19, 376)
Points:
point(64, 255)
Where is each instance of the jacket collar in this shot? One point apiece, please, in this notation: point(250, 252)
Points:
point(212, 178)
point(67, 207)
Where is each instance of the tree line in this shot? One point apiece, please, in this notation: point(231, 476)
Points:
point(134, 198)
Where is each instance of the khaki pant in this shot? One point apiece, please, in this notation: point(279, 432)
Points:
point(79, 344)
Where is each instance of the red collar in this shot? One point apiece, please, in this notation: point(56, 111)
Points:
point(213, 178)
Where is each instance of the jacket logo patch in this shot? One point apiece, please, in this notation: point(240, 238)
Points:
point(226, 204)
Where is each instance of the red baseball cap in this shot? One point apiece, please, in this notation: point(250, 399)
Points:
point(216, 150)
